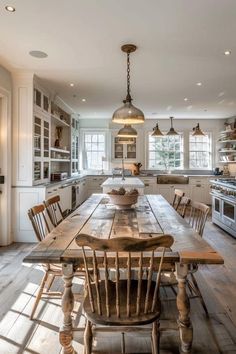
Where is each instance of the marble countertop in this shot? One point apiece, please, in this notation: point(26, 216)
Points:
point(128, 182)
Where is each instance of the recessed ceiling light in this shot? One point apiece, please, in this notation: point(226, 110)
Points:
point(185, 99)
point(10, 8)
point(227, 52)
point(83, 99)
point(71, 84)
point(199, 84)
point(38, 54)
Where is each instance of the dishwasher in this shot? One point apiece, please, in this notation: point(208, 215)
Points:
point(75, 195)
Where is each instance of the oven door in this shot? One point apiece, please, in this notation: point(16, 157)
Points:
point(229, 213)
point(216, 207)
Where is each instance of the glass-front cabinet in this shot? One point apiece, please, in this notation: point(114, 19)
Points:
point(126, 151)
point(74, 146)
point(41, 100)
point(41, 149)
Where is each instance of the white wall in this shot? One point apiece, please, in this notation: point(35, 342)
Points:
point(182, 125)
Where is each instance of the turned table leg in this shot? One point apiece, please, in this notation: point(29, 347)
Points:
point(183, 305)
point(66, 331)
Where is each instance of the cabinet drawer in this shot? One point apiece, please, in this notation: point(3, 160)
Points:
point(196, 181)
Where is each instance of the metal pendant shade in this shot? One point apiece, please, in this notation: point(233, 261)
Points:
point(156, 131)
point(197, 131)
point(128, 113)
point(127, 132)
point(125, 141)
point(172, 131)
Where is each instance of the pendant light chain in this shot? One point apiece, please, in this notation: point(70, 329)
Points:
point(128, 97)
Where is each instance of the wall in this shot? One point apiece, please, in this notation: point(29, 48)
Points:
point(5, 155)
point(182, 125)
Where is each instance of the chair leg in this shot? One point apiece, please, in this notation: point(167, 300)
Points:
point(50, 281)
point(38, 297)
point(88, 338)
point(198, 291)
point(122, 343)
point(155, 337)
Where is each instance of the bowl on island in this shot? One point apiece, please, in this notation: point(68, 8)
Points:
point(123, 199)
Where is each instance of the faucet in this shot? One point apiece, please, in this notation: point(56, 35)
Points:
point(123, 170)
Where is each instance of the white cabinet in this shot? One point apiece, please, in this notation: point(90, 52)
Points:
point(150, 184)
point(127, 151)
point(65, 197)
point(200, 189)
point(94, 184)
point(41, 100)
point(168, 190)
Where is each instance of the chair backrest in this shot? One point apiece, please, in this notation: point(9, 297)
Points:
point(183, 206)
point(126, 255)
point(54, 210)
point(39, 221)
point(177, 198)
point(197, 216)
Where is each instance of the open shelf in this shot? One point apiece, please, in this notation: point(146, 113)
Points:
point(230, 150)
point(227, 141)
point(59, 122)
point(60, 160)
point(59, 150)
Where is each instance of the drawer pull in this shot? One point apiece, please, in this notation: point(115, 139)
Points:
point(146, 185)
point(198, 185)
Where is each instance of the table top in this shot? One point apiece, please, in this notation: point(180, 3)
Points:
point(127, 182)
point(151, 216)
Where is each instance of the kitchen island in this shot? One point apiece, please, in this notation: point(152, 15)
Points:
point(128, 183)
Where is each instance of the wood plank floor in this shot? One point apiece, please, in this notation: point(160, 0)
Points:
point(19, 283)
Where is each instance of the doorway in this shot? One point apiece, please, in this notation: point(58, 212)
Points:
point(5, 168)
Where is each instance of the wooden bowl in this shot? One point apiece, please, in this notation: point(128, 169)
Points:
point(123, 201)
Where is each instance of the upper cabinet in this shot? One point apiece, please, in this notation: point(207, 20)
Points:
point(124, 151)
point(41, 100)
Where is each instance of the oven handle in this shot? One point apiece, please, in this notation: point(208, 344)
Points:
point(224, 198)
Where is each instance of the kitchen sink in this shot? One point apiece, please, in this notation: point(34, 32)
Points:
point(172, 179)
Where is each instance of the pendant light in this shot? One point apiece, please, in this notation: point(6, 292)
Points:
point(197, 131)
point(128, 114)
point(156, 131)
point(172, 131)
point(127, 132)
point(126, 141)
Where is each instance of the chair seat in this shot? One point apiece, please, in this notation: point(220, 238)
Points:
point(123, 319)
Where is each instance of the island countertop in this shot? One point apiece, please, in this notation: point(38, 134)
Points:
point(128, 182)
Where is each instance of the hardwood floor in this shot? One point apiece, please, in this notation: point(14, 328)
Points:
point(19, 283)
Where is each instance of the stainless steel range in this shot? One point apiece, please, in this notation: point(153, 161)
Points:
point(223, 192)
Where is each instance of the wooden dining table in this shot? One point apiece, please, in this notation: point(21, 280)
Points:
point(151, 216)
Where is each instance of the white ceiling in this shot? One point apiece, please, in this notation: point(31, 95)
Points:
point(180, 42)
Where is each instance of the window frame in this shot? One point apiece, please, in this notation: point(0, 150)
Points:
point(182, 153)
point(83, 150)
point(210, 135)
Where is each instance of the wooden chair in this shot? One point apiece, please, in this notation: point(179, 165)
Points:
point(123, 301)
point(54, 210)
point(197, 217)
point(51, 271)
point(41, 228)
point(183, 206)
point(177, 198)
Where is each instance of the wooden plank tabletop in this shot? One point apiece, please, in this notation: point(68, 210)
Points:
point(152, 215)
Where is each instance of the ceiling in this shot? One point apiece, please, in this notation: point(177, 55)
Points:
point(180, 43)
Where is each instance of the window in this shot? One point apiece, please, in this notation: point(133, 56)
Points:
point(200, 153)
point(94, 150)
point(165, 152)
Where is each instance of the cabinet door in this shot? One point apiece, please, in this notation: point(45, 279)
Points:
point(118, 149)
point(198, 193)
point(167, 191)
point(65, 197)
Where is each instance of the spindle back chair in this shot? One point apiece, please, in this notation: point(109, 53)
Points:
point(54, 210)
point(120, 298)
point(41, 228)
point(197, 216)
point(177, 198)
point(39, 221)
point(183, 206)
